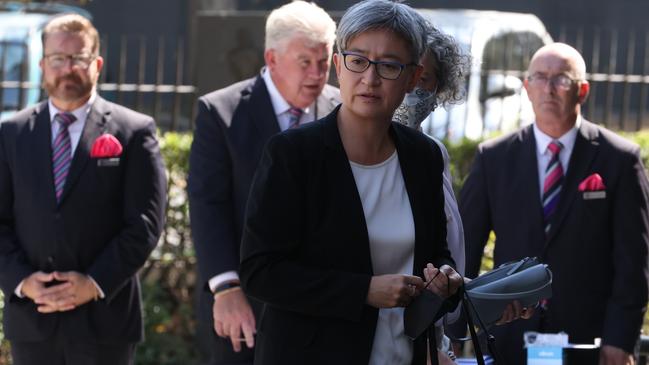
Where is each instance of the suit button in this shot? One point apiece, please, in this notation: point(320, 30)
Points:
point(49, 265)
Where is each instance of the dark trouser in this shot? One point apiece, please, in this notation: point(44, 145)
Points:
point(60, 351)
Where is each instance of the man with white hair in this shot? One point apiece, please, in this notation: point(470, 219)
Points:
point(575, 195)
point(232, 127)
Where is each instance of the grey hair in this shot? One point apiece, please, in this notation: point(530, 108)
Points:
point(371, 15)
point(299, 18)
point(451, 66)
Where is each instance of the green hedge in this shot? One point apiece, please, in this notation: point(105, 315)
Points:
point(169, 276)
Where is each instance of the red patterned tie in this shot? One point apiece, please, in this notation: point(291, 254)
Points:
point(61, 152)
point(294, 115)
point(552, 184)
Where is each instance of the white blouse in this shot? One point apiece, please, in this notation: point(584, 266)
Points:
point(391, 231)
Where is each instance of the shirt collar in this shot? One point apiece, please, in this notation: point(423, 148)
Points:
point(81, 113)
point(280, 105)
point(567, 139)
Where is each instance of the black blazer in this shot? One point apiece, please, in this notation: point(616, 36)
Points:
point(597, 248)
point(232, 126)
point(305, 248)
point(107, 223)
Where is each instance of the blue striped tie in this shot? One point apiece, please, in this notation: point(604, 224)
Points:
point(552, 184)
point(61, 152)
point(294, 115)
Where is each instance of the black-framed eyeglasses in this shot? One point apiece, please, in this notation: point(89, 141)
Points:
point(560, 81)
point(58, 60)
point(386, 69)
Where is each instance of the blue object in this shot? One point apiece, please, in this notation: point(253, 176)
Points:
point(488, 360)
point(541, 355)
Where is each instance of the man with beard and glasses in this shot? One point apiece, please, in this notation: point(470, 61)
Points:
point(82, 198)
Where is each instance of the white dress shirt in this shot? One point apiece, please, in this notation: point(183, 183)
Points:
point(391, 231)
point(543, 155)
point(76, 127)
point(281, 106)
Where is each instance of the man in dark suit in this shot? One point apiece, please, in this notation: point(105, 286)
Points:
point(82, 197)
point(232, 126)
point(575, 195)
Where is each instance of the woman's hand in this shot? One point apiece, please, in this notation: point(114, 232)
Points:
point(445, 280)
point(395, 290)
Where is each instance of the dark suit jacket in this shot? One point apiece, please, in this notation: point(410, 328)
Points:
point(232, 126)
point(305, 249)
point(597, 249)
point(107, 223)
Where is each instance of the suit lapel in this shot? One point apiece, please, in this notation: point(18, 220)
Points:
point(94, 127)
point(528, 184)
point(39, 148)
point(340, 172)
point(261, 110)
point(582, 156)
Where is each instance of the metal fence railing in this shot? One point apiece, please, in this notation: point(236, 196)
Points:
point(150, 75)
point(143, 74)
point(618, 71)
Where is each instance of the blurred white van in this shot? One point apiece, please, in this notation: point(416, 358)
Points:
point(21, 50)
point(501, 45)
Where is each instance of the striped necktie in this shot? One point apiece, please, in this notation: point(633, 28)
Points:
point(61, 152)
point(294, 115)
point(552, 184)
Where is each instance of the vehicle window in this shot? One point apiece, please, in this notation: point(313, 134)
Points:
point(511, 51)
point(508, 54)
point(12, 67)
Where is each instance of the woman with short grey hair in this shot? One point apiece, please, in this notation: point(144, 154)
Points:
point(367, 16)
point(338, 234)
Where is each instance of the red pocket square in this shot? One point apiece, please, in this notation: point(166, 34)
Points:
point(592, 183)
point(106, 146)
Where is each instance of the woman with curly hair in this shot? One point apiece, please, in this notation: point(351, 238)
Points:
point(441, 83)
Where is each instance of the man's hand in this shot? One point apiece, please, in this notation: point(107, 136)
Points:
point(77, 289)
point(611, 355)
point(445, 280)
point(514, 311)
point(233, 315)
point(388, 291)
point(35, 286)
